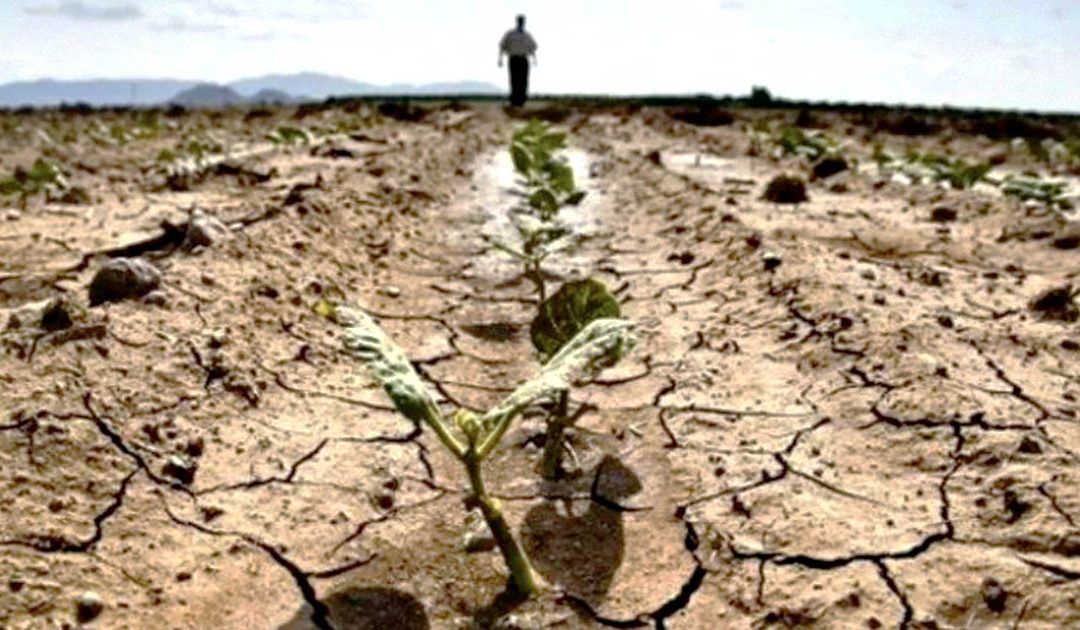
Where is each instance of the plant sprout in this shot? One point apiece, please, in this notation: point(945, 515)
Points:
point(549, 185)
point(539, 240)
point(1028, 187)
point(285, 135)
point(42, 176)
point(561, 317)
point(548, 178)
point(958, 173)
point(469, 436)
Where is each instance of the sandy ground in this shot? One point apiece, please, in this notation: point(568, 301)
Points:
point(879, 432)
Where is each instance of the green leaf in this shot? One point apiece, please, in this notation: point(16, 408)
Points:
point(507, 249)
point(575, 198)
point(10, 186)
point(387, 363)
point(566, 313)
point(544, 201)
point(552, 142)
point(520, 155)
point(291, 135)
point(597, 346)
point(561, 176)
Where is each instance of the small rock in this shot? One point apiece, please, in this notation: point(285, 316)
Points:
point(477, 537)
point(180, 469)
point(56, 316)
point(772, 260)
point(88, 606)
point(1069, 240)
point(829, 166)
point(75, 196)
point(12, 215)
point(217, 338)
point(123, 278)
point(786, 189)
point(654, 157)
point(16, 584)
point(209, 513)
point(943, 214)
point(205, 230)
point(994, 595)
point(1068, 545)
point(1029, 446)
point(156, 298)
point(1056, 305)
point(390, 291)
point(195, 446)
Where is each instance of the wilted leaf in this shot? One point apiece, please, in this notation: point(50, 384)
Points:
point(597, 346)
point(369, 345)
point(568, 312)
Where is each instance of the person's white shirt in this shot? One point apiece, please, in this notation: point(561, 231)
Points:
point(518, 43)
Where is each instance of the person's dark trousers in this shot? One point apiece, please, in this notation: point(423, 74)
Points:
point(519, 80)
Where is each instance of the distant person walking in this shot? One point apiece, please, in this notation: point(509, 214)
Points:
point(518, 45)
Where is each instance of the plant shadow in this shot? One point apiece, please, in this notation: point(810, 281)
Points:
point(581, 553)
point(366, 608)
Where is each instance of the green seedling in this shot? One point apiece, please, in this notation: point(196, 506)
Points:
point(549, 183)
point(286, 136)
point(795, 141)
point(41, 177)
point(561, 318)
point(539, 240)
point(1030, 187)
point(958, 173)
point(549, 180)
point(469, 436)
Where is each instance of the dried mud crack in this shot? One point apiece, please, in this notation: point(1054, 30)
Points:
point(840, 414)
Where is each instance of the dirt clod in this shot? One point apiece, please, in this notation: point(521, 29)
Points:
point(180, 468)
point(786, 189)
point(943, 214)
point(56, 316)
point(205, 230)
point(88, 606)
point(994, 595)
point(1056, 304)
point(123, 278)
point(828, 166)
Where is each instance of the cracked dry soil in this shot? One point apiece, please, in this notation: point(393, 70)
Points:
point(877, 433)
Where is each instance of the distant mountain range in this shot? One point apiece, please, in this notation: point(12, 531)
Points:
point(270, 88)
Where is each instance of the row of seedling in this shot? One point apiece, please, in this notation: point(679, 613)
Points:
point(959, 174)
point(577, 332)
point(43, 177)
point(825, 156)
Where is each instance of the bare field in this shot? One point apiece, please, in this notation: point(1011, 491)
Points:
point(849, 412)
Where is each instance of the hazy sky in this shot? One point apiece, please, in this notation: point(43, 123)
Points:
point(1002, 53)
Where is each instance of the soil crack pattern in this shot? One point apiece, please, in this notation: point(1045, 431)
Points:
point(857, 410)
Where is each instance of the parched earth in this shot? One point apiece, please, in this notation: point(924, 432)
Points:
point(839, 414)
